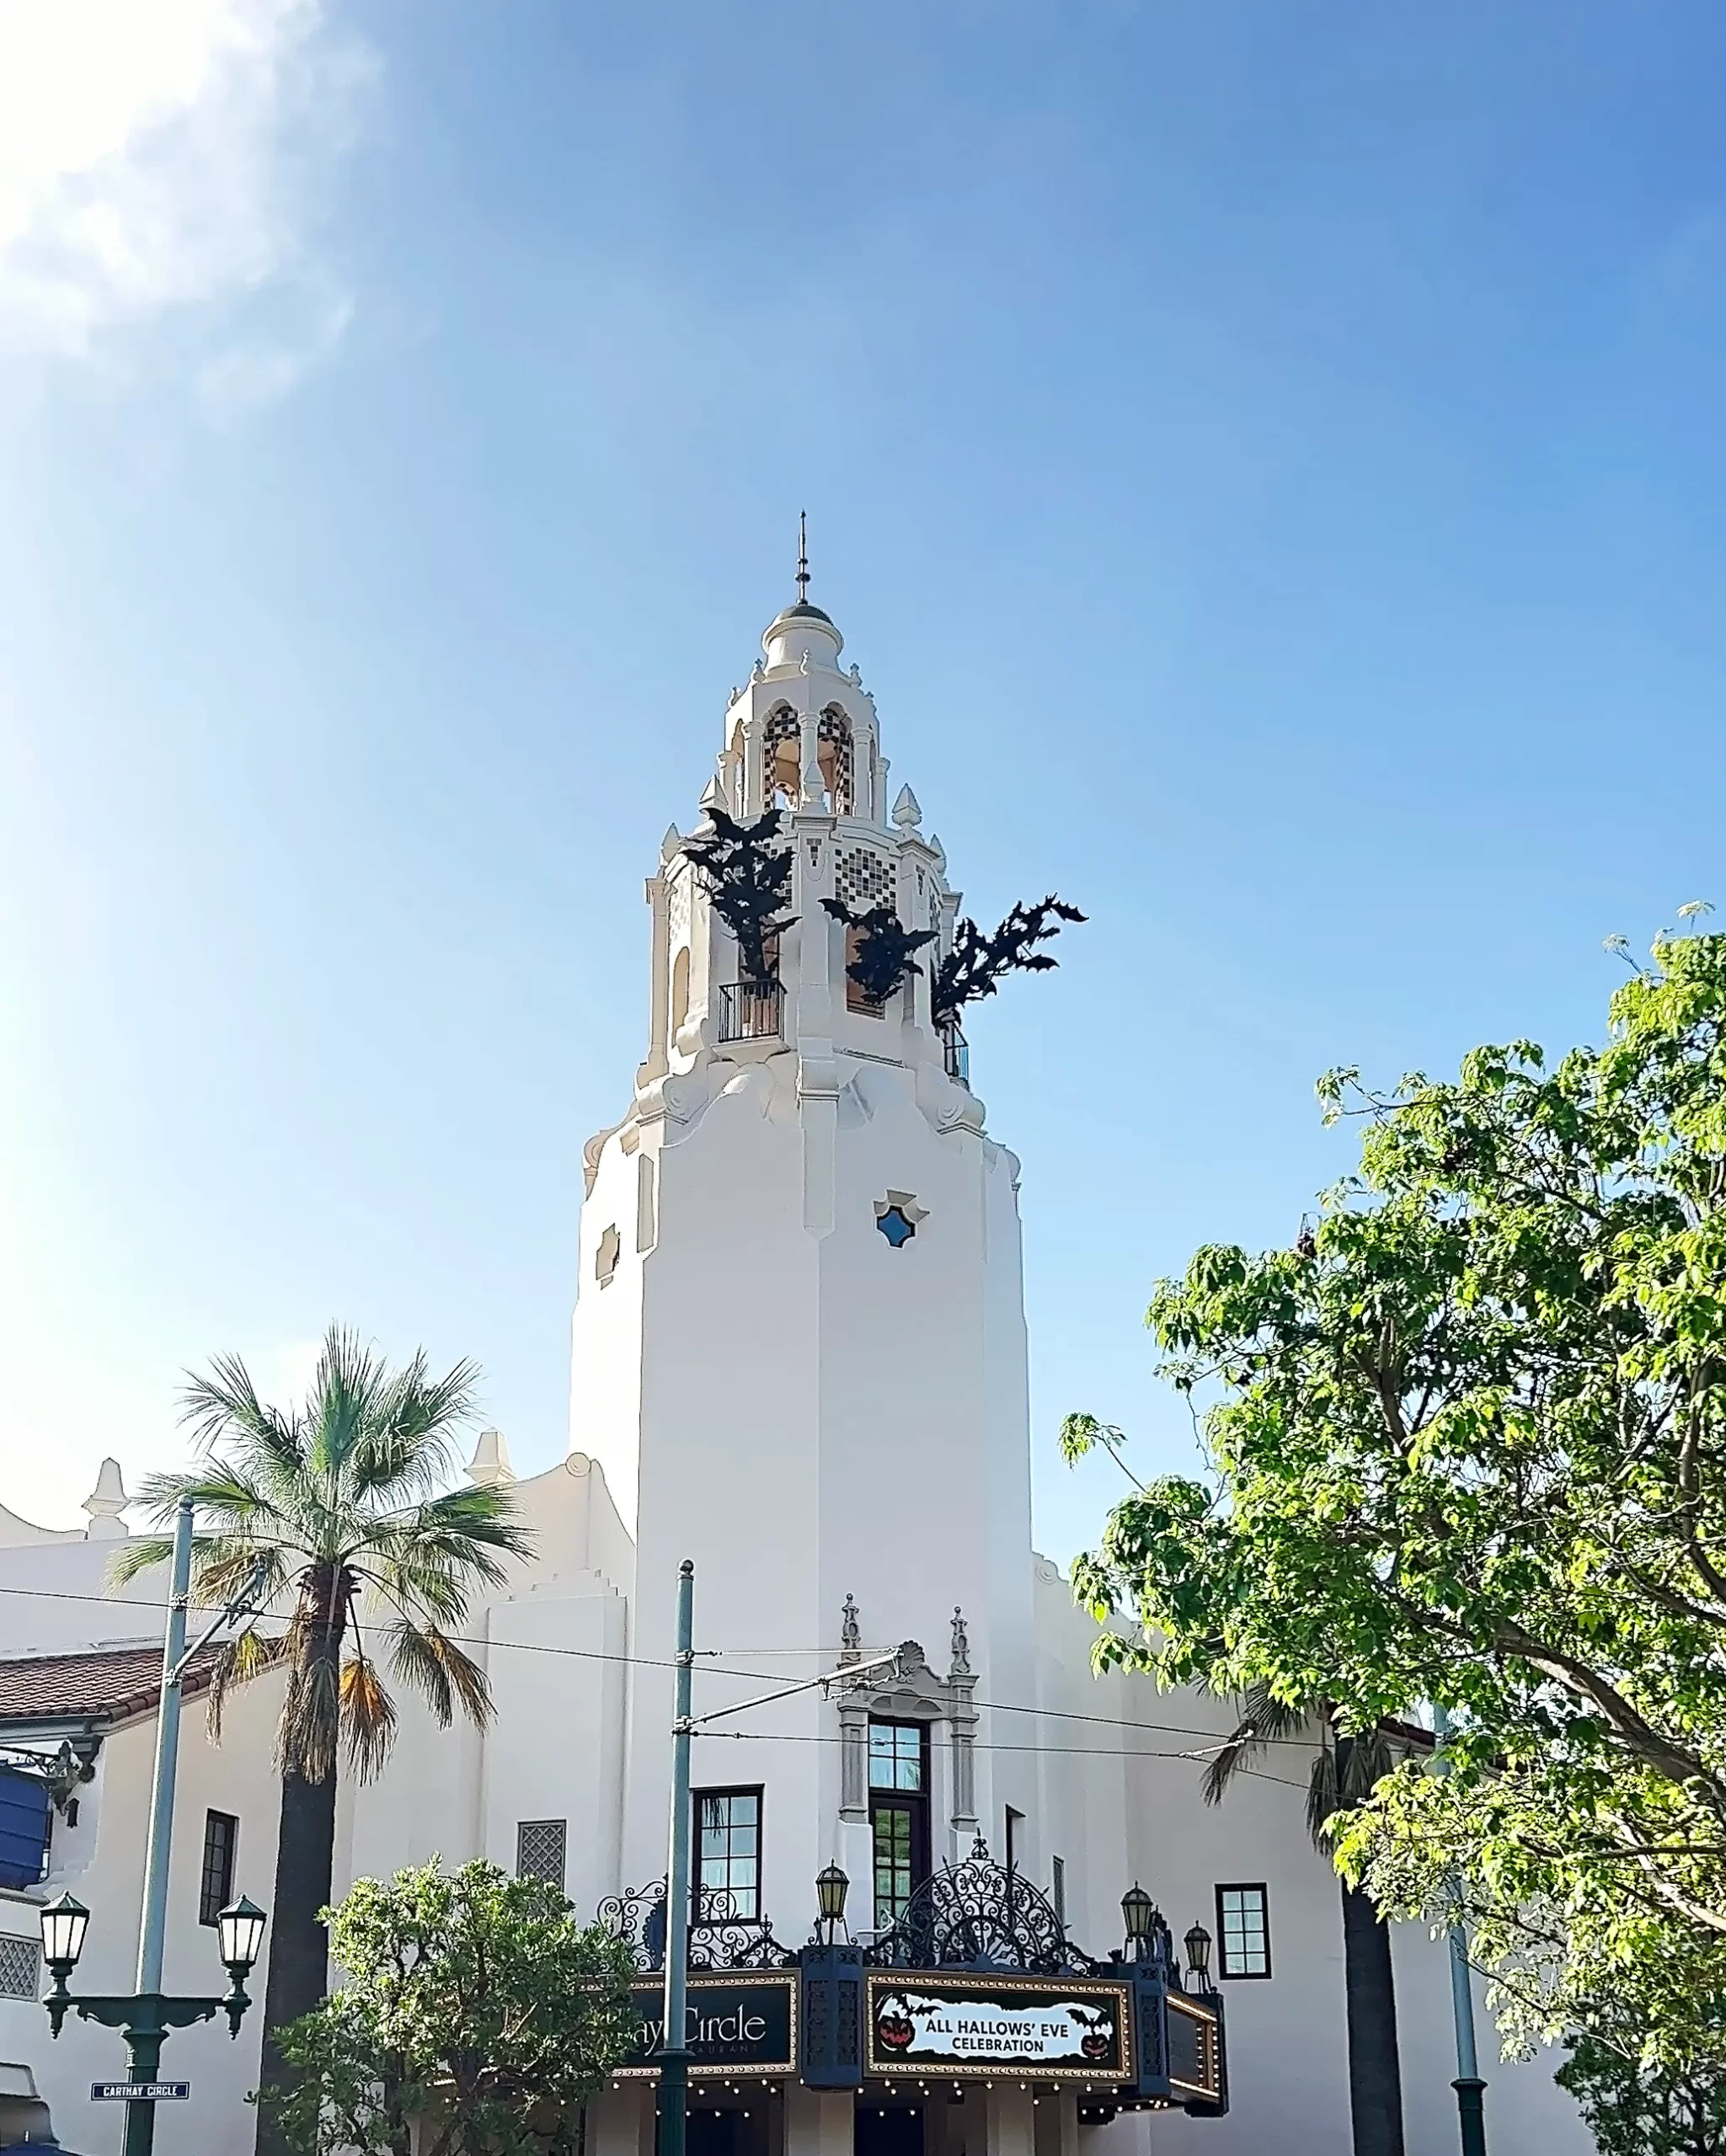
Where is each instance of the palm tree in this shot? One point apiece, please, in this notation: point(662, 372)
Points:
point(1344, 1769)
point(332, 1513)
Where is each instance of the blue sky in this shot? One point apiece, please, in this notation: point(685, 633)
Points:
point(1267, 461)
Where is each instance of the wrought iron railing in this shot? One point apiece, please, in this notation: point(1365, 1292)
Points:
point(956, 1054)
point(719, 1939)
point(749, 1012)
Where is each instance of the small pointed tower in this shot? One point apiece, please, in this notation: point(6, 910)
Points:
point(798, 1342)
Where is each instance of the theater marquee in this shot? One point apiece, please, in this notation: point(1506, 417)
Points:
point(736, 2025)
point(1072, 2031)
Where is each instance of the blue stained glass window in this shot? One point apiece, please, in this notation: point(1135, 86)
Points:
point(896, 1227)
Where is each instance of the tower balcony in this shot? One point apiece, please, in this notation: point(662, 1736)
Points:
point(750, 1012)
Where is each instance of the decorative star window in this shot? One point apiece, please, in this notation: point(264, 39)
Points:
point(897, 1215)
point(605, 1258)
point(894, 1226)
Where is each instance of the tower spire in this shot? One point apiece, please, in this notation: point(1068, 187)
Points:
point(802, 557)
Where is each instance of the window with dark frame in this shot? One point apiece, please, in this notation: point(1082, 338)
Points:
point(222, 1836)
point(1243, 1931)
point(728, 1840)
point(899, 1815)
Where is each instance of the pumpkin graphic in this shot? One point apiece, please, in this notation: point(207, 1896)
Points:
point(1098, 2039)
point(894, 2027)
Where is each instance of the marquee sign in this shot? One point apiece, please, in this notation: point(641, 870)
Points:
point(745, 2024)
point(1071, 2029)
point(1194, 2051)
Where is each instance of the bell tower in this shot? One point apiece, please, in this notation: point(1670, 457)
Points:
point(799, 1343)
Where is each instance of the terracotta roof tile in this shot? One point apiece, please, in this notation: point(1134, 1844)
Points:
point(108, 1682)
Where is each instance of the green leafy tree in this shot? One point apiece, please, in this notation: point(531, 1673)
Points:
point(337, 1509)
point(1636, 2109)
point(1467, 1440)
point(476, 2005)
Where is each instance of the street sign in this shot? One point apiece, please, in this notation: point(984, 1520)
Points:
point(140, 2092)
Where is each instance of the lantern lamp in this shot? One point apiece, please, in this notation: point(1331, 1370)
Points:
point(1198, 1946)
point(64, 1922)
point(239, 1928)
point(832, 1887)
point(1139, 1913)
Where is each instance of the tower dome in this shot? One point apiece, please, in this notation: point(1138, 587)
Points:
point(801, 627)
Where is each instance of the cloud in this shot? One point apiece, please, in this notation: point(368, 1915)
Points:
point(161, 165)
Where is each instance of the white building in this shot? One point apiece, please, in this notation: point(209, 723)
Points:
point(799, 1359)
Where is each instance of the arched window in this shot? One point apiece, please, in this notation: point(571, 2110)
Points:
point(833, 749)
point(781, 754)
point(679, 990)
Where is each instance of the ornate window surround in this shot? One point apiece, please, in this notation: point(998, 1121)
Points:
point(916, 1694)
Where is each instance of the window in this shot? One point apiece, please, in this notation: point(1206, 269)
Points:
point(1014, 1841)
point(20, 1966)
point(1242, 1932)
point(898, 1814)
point(728, 1828)
point(1057, 1887)
point(541, 1845)
point(222, 1836)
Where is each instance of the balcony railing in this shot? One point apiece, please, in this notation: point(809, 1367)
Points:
point(749, 1012)
point(956, 1054)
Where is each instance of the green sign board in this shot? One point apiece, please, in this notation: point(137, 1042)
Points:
point(740, 2024)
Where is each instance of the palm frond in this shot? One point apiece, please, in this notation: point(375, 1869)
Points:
point(138, 1556)
point(343, 1495)
point(223, 1402)
point(311, 1714)
point(1264, 1721)
point(242, 1658)
point(223, 1488)
point(368, 1716)
point(463, 1535)
point(225, 1567)
point(407, 1447)
point(1366, 1760)
point(350, 1380)
point(439, 1671)
point(1323, 1801)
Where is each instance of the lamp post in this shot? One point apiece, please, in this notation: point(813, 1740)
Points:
point(145, 2017)
point(148, 2015)
point(674, 2053)
point(1470, 2087)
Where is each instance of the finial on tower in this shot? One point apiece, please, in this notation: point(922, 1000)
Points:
point(802, 557)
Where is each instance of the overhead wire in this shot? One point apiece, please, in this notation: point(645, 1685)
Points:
point(713, 1668)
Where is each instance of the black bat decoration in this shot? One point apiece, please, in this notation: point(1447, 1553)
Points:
point(977, 964)
point(884, 947)
point(748, 880)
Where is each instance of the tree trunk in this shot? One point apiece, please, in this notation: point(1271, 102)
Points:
point(299, 1946)
point(1374, 2068)
point(298, 1972)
